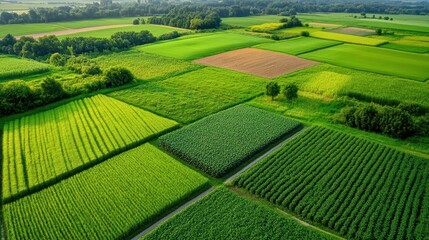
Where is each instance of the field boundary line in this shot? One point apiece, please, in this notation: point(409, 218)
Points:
point(273, 149)
point(168, 216)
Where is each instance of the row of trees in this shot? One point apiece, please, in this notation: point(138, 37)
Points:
point(226, 8)
point(290, 91)
point(189, 17)
point(397, 122)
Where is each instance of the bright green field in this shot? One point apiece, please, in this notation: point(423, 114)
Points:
point(43, 148)
point(347, 38)
point(252, 20)
point(225, 215)
point(211, 144)
point(406, 48)
point(378, 60)
point(194, 95)
point(23, 29)
point(202, 45)
point(299, 45)
point(156, 30)
point(146, 66)
point(15, 67)
point(333, 81)
point(108, 201)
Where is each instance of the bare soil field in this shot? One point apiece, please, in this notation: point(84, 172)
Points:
point(325, 25)
point(257, 62)
point(78, 30)
point(354, 31)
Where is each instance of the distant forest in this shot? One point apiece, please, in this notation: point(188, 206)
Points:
point(208, 13)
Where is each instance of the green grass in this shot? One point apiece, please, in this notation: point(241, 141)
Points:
point(202, 45)
point(226, 215)
point(297, 46)
point(333, 81)
point(378, 60)
point(251, 20)
point(194, 95)
point(348, 38)
point(359, 188)
point(109, 201)
point(32, 28)
point(156, 30)
point(219, 143)
point(406, 48)
point(146, 66)
point(43, 148)
point(13, 67)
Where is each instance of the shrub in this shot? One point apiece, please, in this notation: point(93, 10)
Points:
point(136, 21)
point(413, 109)
point(170, 35)
point(52, 90)
point(16, 96)
point(305, 34)
point(58, 59)
point(117, 76)
point(396, 123)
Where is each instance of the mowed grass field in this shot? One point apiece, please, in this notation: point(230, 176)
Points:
point(32, 28)
point(146, 66)
point(108, 201)
point(296, 46)
point(202, 45)
point(190, 96)
point(406, 48)
point(378, 60)
point(225, 215)
point(156, 30)
point(41, 149)
point(348, 38)
point(13, 67)
point(359, 188)
point(211, 143)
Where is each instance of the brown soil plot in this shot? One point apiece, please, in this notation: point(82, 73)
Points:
point(325, 25)
point(257, 62)
point(354, 31)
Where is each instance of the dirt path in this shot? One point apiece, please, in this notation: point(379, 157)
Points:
point(162, 220)
point(77, 30)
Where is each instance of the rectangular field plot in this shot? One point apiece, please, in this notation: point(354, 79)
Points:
point(359, 188)
point(204, 45)
point(257, 62)
point(378, 60)
point(146, 66)
point(108, 201)
point(348, 38)
point(14, 67)
point(226, 215)
point(219, 143)
point(296, 46)
point(41, 149)
point(194, 95)
point(406, 48)
point(354, 31)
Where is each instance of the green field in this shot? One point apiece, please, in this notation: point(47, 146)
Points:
point(202, 45)
point(226, 215)
point(156, 30)
point(194, 95)
point(333, 81)
point(32, 28)
point(359, 188)
point(297, 46)
point(11, 67)
point(378, 60)
point(251, 20)
point(406, 48)
point(108, 201)
point(348, 38)
point(146, 66)
point(211, 143)
point(45, 147)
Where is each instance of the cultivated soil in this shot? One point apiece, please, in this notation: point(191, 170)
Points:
point(257, 62)
point(78, 30)
point(354, 31)
point(325, 25)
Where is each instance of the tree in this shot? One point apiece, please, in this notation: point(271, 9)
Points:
point(378, 31)
point(57, 59)
point(52, 90)
point(396, 123)
point(117, 76)
point(290, 92)
point(142, 21)
point(273, 89)
point(136, 21)
point(305, 34)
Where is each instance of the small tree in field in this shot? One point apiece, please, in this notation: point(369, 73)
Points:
point(117, 76)
point(378, 31)
point(273, 89)
point(290, 92)
point(136, 21)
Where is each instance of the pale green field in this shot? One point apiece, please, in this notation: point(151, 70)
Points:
point(298, 45)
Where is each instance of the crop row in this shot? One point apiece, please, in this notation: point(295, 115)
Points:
point(108, 201)
point(359, 188)
point(42, 148)
point(219, 143)
point(14, 67)
point(225, 215)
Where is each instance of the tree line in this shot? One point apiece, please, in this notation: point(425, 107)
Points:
point(226, 8)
